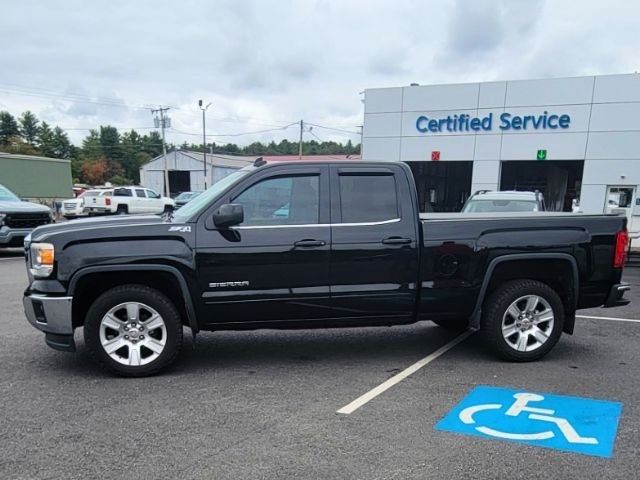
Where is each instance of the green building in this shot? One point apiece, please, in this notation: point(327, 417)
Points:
point(34, 177)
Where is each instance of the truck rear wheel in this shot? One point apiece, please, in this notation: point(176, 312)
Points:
point(133, 331)
point(522, 320)
point(122, 210)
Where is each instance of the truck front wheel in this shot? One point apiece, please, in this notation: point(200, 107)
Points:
point(522, 320)
point(133, 331)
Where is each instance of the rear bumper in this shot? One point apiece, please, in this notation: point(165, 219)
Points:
point(616, 294)
point(96, 210)
point(51, 315)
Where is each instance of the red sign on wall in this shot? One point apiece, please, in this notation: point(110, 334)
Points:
point(435, 155)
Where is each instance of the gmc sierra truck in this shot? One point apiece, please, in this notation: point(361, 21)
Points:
point(300, 245)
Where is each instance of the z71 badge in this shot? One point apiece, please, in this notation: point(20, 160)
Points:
point(179, 228)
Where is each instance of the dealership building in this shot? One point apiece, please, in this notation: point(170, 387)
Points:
point(577, 140)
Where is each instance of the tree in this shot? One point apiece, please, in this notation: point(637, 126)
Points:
point(61, 144)
point(29, 127)
point(111, 149)
point(94, 171)
point(8, 129)
point(133, 155)
point(152, 144)
point(45, 140)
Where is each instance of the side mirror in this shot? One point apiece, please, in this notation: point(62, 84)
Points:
point(228, 215)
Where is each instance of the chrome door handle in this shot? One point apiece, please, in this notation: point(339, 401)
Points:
point(310, 243)
point(396, 241)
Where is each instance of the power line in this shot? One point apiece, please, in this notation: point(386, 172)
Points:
point(70, 98)
point(333, 129)
point(14, 86)
point(117, 128)
point(235, 134)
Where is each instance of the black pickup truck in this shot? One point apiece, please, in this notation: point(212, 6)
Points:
point(300, 245)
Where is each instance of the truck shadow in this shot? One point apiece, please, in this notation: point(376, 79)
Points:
point(271, 351)
point(397, 346)
point(11, 252)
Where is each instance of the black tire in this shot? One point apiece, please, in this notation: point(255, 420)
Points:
point(122, 210)
point(168, 209)
point(496, 306)
point(145, 295)
point(453, 324)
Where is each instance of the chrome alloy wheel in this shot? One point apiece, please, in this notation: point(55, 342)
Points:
point(133, 334)
point(527, 324)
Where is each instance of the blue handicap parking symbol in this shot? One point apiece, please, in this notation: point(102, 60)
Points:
point(573, 424)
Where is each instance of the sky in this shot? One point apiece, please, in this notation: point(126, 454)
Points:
point(265, 65)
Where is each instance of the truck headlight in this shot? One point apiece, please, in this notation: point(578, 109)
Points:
point(42, 257)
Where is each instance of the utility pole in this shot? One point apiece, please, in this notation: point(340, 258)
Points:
point(300, 144)
point(204, 140)
point(163, 122)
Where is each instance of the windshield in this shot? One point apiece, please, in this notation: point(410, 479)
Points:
point(7, 195)
point(205, 198)
point(501, 206)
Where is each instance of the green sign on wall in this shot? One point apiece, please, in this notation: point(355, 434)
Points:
point(542, 155)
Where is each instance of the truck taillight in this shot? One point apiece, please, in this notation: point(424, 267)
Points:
point(107, 201)
point(620, 254)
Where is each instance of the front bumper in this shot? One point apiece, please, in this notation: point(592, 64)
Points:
point(51, 315)
point(615, 297)
point(13, 237)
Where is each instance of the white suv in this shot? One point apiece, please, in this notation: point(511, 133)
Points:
point(131, 200)
point(79, 206)
point(484, 201)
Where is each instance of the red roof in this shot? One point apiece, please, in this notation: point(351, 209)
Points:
point(309, 158)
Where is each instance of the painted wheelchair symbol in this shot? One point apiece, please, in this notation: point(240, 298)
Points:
point(520, 406)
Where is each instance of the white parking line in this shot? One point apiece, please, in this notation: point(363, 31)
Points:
point(612, 319)
point(383, 387)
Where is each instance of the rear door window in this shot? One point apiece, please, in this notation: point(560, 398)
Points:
point(140, 193)
point(122, 192)
point(368, 198)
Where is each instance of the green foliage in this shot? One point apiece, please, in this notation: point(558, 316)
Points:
point(29, 127)
point(8, 128)
point(107, 154)
point(119, 180)
point(45, 140)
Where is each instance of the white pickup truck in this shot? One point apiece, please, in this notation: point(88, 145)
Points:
point(130, 200)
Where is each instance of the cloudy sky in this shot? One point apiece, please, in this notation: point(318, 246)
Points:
point(266, 64)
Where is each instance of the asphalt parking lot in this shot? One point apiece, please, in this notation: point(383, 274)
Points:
point(264, 404)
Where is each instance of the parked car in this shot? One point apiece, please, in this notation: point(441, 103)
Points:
point(504, 201)
point(79, 206)
point(18, 218)
point(131, 200)
point(313, 246)
point(185, 197)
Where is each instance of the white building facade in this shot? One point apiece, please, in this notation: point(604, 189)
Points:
point(187, 172)
point(575, 139)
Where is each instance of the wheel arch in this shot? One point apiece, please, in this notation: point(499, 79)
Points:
point(165, 278)
point(505, 268)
